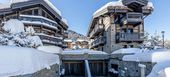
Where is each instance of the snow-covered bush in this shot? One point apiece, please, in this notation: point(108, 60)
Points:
point(15, 35)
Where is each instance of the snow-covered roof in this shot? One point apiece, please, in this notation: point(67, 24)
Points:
point(127, 51)
point(83, 51)
point(161, 69)
point(65, 21)
point(7, 4)
point(149, 5)
point(158, 55)
point(16, 61)
point(50, 49)
point(113, 4)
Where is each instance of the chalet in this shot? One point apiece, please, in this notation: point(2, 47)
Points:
point(119, 24)
point(42, 15)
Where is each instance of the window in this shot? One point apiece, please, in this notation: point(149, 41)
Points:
point(125, 46)
point(43, 13)
point(36, 12)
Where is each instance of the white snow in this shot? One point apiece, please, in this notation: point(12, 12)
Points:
point(20, 61)
point(83, 51)
point(149, 5)
point(30, 30)
point(65, 21)
point(35, 41)
point(161, 69)
point(112, 70)
point(127, 51)
point(50, 49)
point(13, 26)
point(53, 7)
point(158, 55)
point(113, 4)
point(7, 4)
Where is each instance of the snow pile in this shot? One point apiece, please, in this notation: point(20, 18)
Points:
point(149, 56)
point(14, 26)
point(83, 51)
point(20, 61)
point(113, 4)
point(16, 36)
point(127, 51)
point(161, 69)
point(51, 49)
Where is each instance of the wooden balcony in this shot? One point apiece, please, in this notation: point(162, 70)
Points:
point(135, 3)
point(97, 29)
point(46, 39)
point(132, 19)
point(98, 41)
point(39, 20)
point(130, 37)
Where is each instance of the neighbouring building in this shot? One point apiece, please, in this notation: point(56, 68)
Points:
point(39, 14)
point(75, 40)
point(119, 24)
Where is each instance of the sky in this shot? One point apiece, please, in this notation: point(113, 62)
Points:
point(79, 13)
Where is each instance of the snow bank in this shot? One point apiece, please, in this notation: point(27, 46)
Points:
point(149, 56)
point(14, 26)
point(161, 69)
point(20, 61)
point(127, 51)
point(83, 51)
point(113, 3)
point(50, 49)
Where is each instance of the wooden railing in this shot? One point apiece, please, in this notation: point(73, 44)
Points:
point(132, 18)
point(98, 41)
point(97, 29)
point(130, 36)
point(38, 19)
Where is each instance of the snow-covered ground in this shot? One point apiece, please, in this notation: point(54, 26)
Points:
point(159, 56)
point(20, 61)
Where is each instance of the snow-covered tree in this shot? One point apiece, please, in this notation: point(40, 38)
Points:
point(152, 41)
point(15, 35)
point(167, 44)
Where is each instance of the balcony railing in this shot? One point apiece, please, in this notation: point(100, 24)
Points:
point(134, 2)
point(98, 41)
point(97, 29)
point(125, 37)
point(30, 19)
point(132, 18)
point(51, 39)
